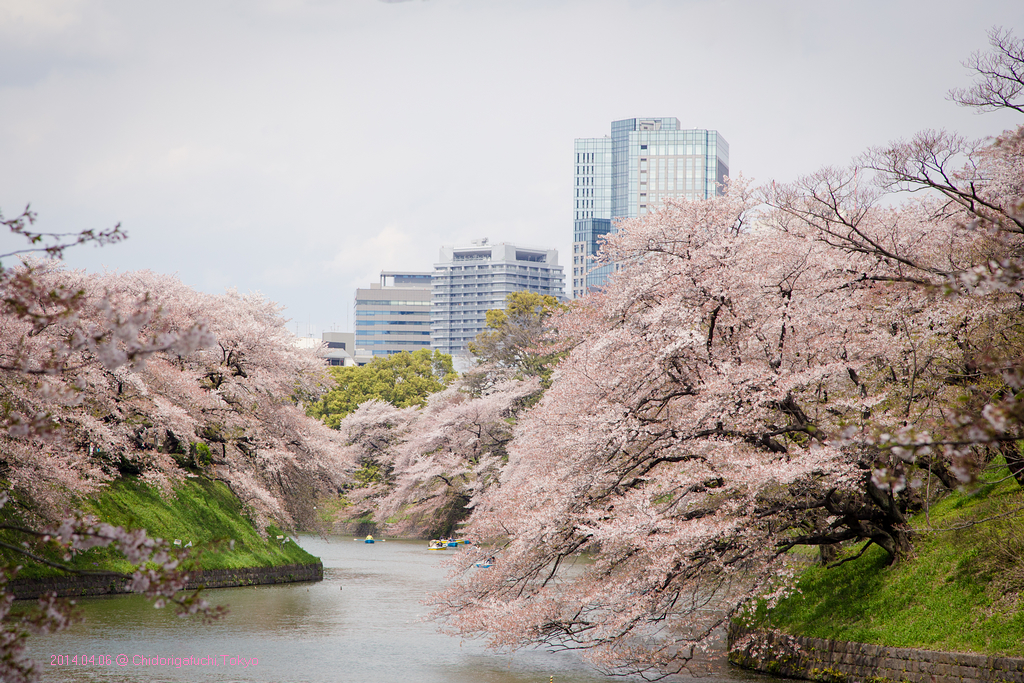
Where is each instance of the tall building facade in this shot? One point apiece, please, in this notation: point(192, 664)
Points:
point(469, 281)
point(393, 315)
point(629, 173)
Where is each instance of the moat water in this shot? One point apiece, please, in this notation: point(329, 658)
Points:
point(361, 624)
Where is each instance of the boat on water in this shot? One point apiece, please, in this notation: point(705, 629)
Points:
point(441, 543)
point(369, 539)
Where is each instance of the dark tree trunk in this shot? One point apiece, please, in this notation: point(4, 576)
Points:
point(1014, 460)
point(827, 553)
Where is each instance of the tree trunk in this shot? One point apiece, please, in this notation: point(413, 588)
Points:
point(1014, 460)
point(895, 541)
point(827, 553)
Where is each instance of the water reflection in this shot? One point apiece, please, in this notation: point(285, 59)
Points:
point(361, 624)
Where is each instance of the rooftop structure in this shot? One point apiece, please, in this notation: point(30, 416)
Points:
point(339, 348)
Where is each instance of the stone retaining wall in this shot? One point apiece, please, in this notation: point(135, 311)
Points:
point(77, 585)
point(838, 661)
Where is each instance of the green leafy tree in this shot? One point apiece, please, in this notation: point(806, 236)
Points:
point(403, 379)
point(515, 338)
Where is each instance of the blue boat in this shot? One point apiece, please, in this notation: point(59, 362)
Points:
point(369, 539)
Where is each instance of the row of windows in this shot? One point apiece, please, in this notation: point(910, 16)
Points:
point(364, 323)
point(515, 285)
point(668, 135)
point(477, 318)
point(364, 312)
point(375, 333)
point(672, 150)
point(469, 274)
point(470, 309)
point(483, 272)
point(497, 298)
point(389, 342)
point(671, 164)
point(655, 197)
point(493, 301)
point(499, 267)
point(663, 183)
point(510, 284)
point(441, 291)
point(382, 302)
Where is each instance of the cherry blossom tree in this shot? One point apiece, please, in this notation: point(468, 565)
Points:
point(965, 238)
point(454, 450)
point(999, 75)
point(420, 467)
point(118, 374)
point(240, 397)
point(679, 415)
point(48, 342)
point(802, 364)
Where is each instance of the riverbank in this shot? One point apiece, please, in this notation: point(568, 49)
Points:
point(837, 661)
point(953, 610)
point(960, 590)
point(202, 517)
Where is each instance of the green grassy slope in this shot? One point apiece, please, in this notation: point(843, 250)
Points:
point(963, 590)
point(201, 511)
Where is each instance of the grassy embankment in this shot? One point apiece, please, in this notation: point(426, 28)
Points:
point(963, 589)
point(201, 511)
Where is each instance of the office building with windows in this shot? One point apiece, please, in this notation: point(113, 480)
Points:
point(393, 315)
point(469, 281)
point(630, 173)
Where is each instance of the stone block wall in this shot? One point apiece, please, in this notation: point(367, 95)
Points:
point(78, 585)
point(838, 661)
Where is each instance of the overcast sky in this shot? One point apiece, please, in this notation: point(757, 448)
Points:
point(299, 147)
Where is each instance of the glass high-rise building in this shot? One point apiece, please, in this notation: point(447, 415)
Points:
point(469, 281)
point(629, 174)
